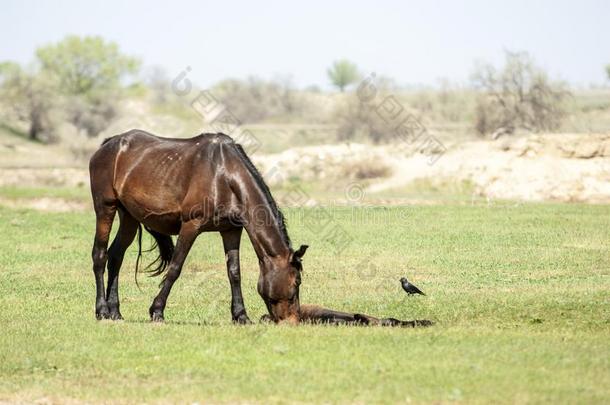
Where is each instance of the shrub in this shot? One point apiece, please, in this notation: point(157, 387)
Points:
point(92, 117)
point(28, 97)
point(520, 96)
point(254, 100)
point(358, 120)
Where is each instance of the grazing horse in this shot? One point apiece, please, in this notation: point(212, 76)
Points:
point(185, 187)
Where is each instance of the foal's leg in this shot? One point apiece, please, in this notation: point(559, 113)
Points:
point(230, 241)
point(188, 234)
point(127, 232)
point(104, 217)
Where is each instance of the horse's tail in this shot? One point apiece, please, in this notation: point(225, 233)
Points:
point(164, 243)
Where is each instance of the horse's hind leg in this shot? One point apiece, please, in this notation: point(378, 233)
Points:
point(104, 213)
point(124, 237)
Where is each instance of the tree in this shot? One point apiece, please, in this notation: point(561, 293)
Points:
point(86, 66)
point(88, 72)
point(28, 95)
point(520, 95)
point(80, 77)
point(343, 73)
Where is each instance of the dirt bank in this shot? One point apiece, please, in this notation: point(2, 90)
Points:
point(554, 167)
point(557, 167)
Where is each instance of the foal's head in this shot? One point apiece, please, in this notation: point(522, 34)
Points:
point(279, 283)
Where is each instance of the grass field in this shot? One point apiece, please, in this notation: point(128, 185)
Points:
point(520, 295)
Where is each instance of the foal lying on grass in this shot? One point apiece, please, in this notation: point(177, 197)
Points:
point(318, 314)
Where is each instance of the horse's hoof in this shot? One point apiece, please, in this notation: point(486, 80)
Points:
point(102, 313)
point(242, 320)
point(417, 323)
point(116, 316)
point(423, 322)
point(156, 317)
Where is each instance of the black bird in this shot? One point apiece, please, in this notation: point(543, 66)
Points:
point(410, 288)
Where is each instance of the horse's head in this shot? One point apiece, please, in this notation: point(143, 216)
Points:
point(279, 283)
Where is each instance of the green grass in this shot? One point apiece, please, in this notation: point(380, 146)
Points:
point(520, 295)
point(13, 131)
point(81, 194)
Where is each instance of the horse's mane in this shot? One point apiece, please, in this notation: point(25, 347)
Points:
point(277, 214)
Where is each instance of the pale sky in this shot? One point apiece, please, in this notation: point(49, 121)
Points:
point(415, 42)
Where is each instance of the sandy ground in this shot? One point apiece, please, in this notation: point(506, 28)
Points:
point(558, 167)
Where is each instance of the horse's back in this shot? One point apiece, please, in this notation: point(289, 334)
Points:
point(138, 147)
point(150, 176)
point(138, 138)
point(110, 147)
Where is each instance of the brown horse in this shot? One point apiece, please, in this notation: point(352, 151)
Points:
point(317, 314)
point(185, 187)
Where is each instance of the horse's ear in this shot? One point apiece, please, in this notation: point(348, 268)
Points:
point(298, 254)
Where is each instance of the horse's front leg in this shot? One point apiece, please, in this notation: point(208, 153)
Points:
point(188, 234)
point(231, 240)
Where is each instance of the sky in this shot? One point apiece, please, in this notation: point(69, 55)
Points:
point(414, 42)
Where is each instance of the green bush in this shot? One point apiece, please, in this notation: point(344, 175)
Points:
point(81, 77)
